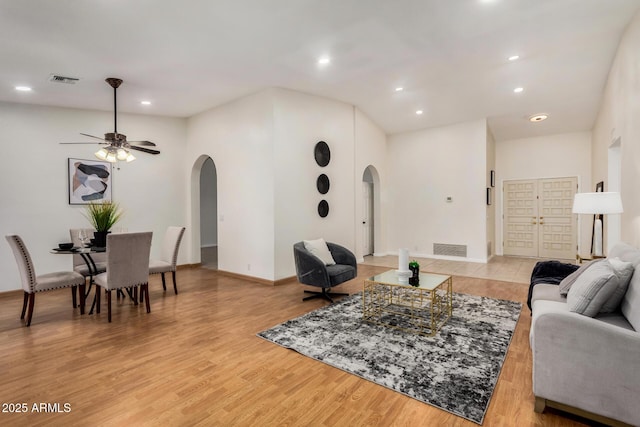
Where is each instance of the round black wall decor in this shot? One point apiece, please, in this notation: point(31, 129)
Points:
point(322, 153)
point(322, 184)
point(323, 208)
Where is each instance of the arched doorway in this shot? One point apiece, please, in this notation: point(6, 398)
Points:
point(203, 211)
point(209, 215)
point(370, 210)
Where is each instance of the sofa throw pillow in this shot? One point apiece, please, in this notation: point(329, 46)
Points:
point(320, 249)
point(592, 289)
point(566, 283)
point(623, 271)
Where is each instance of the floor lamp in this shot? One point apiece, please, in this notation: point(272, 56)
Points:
point(598, 204)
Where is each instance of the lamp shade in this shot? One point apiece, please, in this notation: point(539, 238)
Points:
point(597, 203)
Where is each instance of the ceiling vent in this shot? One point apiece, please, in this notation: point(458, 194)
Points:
point(62, 79)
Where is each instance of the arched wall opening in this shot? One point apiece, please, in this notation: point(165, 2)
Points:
point(204, 212)
point(371, 231)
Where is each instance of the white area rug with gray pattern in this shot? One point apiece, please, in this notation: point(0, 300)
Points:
point(456, 370)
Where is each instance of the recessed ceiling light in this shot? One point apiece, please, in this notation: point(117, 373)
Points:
point(23, 88)
point(324, 60)
point(145, 102)
point(538, 117)
point(514, 57)
point(399, 89)
point(518, 89)
point(419, 112)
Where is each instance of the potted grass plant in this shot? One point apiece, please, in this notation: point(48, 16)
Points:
point(102, 217)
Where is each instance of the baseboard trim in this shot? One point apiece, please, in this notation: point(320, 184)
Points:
point(259, 280)
point(542, 403)
point(13, 293)
point(184, 266)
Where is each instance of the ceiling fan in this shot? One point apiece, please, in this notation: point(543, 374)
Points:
point(116, 145)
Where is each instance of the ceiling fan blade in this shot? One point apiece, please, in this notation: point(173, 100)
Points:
point(91, 136)
point(145, 143)
point(84, 143)
point(146, 150)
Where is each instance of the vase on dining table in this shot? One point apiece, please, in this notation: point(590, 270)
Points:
point(100, 238)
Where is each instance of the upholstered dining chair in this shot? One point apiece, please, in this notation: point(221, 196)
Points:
point(169, 256)
point(80, 265)
point(31, 283)
point(325, 273)
point(127, 267)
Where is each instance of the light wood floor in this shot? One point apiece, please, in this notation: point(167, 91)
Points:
point(195, 360)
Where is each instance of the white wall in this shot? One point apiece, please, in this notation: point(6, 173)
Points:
point(33, 179)
point(425, 167)
point(619, 117)
point(238, 137)
point(491, 209)
point(561, 155)
point(262, 146)
point(300, 121)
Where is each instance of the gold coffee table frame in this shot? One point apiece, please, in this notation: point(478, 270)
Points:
point(425, 308)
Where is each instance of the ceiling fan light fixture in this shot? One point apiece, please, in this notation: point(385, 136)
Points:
point(101, 154)
point(111, 157)
point(122, 154)
point(130, 157)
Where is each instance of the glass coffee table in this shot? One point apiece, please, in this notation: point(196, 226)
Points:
point(388, 299)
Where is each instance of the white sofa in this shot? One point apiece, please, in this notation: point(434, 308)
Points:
point(588, 365)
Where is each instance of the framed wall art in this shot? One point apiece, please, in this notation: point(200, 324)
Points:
point(322, 154)
point(89, 181)
point(323, 184)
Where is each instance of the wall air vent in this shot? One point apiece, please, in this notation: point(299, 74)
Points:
point(450, 250)
point(62, 79)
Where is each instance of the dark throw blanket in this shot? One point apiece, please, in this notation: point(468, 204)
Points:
point(549, 272)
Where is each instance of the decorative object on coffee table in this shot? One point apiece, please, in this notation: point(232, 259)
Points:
point(414, 280)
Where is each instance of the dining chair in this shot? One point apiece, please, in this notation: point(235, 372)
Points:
point(169, 257)
point(127, 267)
point(80, 264)
point(31, 283)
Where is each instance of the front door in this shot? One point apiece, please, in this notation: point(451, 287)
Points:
point(537, 218)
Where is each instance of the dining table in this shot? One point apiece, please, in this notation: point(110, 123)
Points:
point(85, 254)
